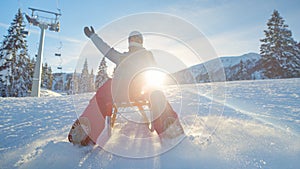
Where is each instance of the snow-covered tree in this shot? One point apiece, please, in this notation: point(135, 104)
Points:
point(31, 66)
point(85, 79)
point(69, 84)
point(92, 81)
point(102, 76)
point(280, 53)
point(47, 77)
point(74, 84)
point(15, 64)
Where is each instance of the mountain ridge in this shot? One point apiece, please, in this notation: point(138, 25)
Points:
point(226, 68)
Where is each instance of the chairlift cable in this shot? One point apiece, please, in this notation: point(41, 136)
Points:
point(59, 38)
point(57, 6)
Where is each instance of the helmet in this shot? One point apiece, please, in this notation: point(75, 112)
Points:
point(136, 33)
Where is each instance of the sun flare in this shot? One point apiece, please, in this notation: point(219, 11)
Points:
point(154, 78)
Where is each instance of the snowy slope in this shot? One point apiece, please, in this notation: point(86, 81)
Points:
point(258, 126)
point(48, 93)
point(230, 61)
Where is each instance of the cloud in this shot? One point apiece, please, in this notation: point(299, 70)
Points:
point(56, 36)
point(3, 25)
point(64, 38)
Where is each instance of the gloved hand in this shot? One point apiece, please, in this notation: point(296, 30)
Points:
point(88, 32)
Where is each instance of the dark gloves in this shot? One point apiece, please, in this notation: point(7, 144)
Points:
point(88, 32)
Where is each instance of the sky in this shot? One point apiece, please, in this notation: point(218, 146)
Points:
point(232, 27)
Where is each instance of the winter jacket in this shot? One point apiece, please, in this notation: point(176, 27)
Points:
point(126, 82)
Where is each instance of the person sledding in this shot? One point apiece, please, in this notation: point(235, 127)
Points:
point(128, 84)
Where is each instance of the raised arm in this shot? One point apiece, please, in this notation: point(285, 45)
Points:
point(103, 47)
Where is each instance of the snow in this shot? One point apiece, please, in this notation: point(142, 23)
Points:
point(257, 126)
point(48, 93)
point(230, 61)
point(230, 65)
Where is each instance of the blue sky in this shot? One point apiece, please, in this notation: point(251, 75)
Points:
point(233, 27)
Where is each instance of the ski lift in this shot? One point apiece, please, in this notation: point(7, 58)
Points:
point(32, 20)
point(36, 20)
point(58, 53)
point(43, 23)
point(54, 26)
point(59, 67)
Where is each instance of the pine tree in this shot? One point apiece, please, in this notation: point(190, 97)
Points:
point(31, 66)
point(242, 72)
point(15, 64)
point(47, 77)
point(92, 81)
point(74, 84)
point(85, 83)
point(280, 55)
point(102, 76)
point(69, 84)
point(43, 77)
point(50, 78)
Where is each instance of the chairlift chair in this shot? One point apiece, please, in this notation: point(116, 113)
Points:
point(57, 54)
point(25, 32)
point(54, 27)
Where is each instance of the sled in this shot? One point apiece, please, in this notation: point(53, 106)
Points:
point(162, 119)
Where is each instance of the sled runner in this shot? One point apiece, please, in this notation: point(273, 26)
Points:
point(162, 118)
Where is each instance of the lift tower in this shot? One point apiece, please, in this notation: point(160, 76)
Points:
point(44, 23)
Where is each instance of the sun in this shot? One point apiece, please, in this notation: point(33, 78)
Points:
point(154, 78)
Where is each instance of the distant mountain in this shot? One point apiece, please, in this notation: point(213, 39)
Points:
point(245, 67)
